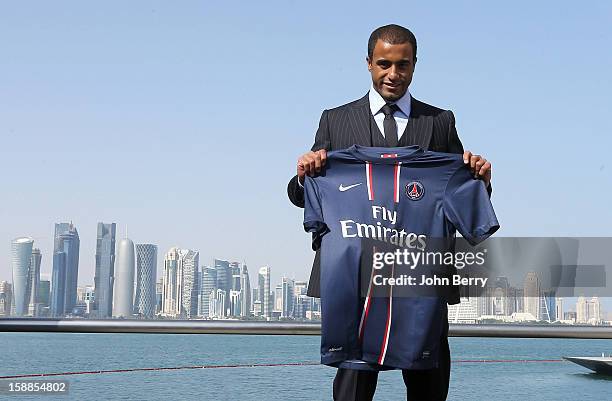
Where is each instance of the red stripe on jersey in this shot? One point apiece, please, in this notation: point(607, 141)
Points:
point(368, 167)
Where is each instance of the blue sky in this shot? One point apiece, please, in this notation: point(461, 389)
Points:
point(184, 120)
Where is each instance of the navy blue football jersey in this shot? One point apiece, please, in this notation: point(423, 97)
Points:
point(392, 196)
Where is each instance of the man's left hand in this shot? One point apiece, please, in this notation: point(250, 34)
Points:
point(480, 167)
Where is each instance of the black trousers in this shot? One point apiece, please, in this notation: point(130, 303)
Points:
point(421, 385)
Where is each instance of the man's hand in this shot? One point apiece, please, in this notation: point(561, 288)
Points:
point(311, 163)
point(480, 167)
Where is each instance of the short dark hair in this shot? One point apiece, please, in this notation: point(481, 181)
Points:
point(392, 34)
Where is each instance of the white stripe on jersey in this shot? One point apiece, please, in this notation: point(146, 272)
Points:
point(396, 189)
point(381, 359)
point(366, 304)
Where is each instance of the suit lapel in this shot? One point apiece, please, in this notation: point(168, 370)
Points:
point(419, 128)
point(359, 120)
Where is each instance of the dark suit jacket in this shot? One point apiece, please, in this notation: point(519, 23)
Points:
point(429, 127)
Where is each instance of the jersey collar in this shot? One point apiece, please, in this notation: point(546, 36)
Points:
point(385, 155)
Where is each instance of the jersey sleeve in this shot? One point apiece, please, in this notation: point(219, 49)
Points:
point(313, 212)
point(468, 207)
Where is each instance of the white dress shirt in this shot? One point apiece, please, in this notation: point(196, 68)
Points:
point(401, 117)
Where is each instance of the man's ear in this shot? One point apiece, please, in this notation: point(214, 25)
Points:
point(369, 63)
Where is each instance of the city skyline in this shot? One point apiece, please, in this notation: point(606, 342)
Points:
point(129, 289)
point(189, 290)
point(105, 251)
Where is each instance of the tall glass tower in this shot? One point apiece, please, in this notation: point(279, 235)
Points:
point(6, 298)
point(34, 281)
point(287, 294)
point(188, 285)
point(44, 292)
point(21, 260)
point(245, 288)
point(105, 269)
point(208, 285)
point(146, 275)
point(65, 269)
point(264, 291)
point(169, 305)
point(532, 294)
point(180, 285)
point(224, 275)
point(58, 284)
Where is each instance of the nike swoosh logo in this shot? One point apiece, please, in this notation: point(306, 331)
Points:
point(342, 188)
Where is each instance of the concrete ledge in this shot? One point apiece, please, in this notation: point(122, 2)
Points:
point(280, 328)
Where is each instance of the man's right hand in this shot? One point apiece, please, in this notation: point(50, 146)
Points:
point(311, 163)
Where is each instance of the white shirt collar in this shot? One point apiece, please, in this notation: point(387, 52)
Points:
point(377, 102)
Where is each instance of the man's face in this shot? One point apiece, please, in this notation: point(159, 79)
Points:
point(391, 67)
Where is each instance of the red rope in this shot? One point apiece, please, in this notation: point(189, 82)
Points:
point(253, 365)
point(162, 368)
point(505, 360)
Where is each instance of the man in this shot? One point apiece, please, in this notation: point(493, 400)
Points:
point(387, 116)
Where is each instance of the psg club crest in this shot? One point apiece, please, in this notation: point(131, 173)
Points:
point(415, 190)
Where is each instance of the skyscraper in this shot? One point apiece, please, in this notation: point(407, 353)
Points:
point(588, 310)
point(301, 301)
point(21, 260)
point(60, 228)
point(123, 305)
point(65, 269)
point(287, 297)
point(240, 288)
point(180, 288)
point(169, 284)
point(235, 303)
point(85, 299)
point(188, 285)
point(6, 298)
point(158, 296)
point(531, 286)
point(235, 274)
point(58, 284)
point(208, 285)
point(44, 292)
point(499, 298)
point(217, 300)
point(466, 311)
point(516, 299)
point(547, 306)
point(559, 312)
point(264, 291)
point(105, 269)
point(278, 301)
point(245, 288)
point(34, 282)
point(146, 275)
point(224, 276)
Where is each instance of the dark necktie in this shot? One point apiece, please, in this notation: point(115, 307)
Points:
point(389, 124)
